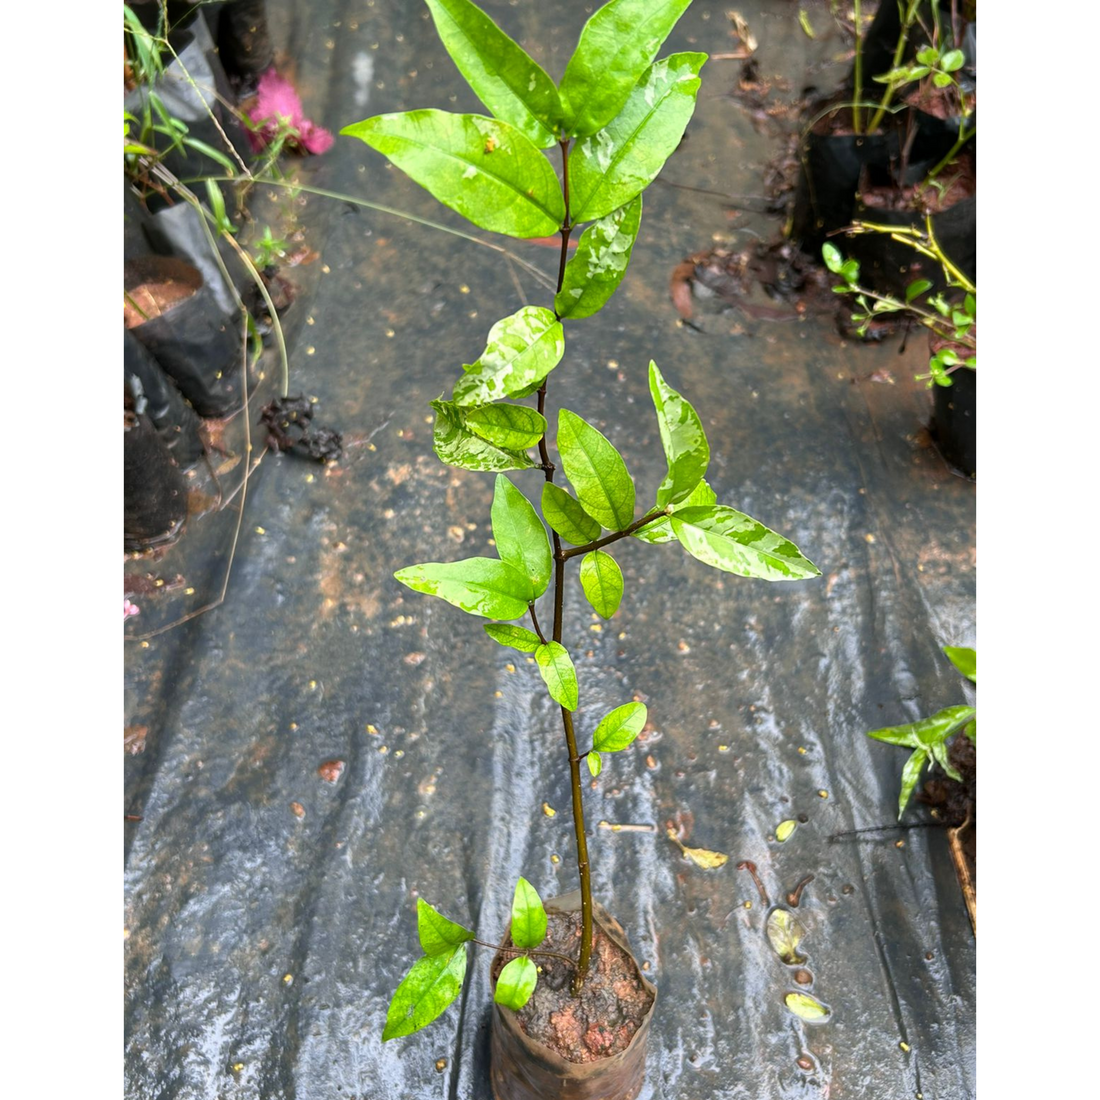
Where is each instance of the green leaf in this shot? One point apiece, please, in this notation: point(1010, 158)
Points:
point(518, 637)
point(510, 427)
point(928, 731)
point(940, 755)
point(602, 581)
point(600, 262)
point(832, 257)
point(429, 987)
point(596, 471)
point(915, 290)
point(567, 517)
point(661, 530)
point(516, 983)
point(952, 61)
point(683, 439)
point(806, 1007)
point(595, 762)
point(478, 586)
point(616, 47)
point(805, 24)
point(502, 75)
point(483, 169)
point(557, 670)
point(964, 659)
point(736, 543)
point(457, 445)
point(520, 351)
point(942, 80)
point(928, 56)
point(910, 774)
point(520, 536)
point(970, 304)
point(609, 168)
point(437, 933)
point(618, 728)
point(528, 916)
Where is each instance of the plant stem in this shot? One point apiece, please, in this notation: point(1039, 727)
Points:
point(933, 321)
point(903, 38)
point(964, 136)
point(857, 117)
point(559, 605)
point(614, 537)
point(525, 951)
point(535, 623)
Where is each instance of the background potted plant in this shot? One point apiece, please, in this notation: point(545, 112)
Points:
point(949, 315)
point(615, 117)
point(947, 740)
point(901, 154)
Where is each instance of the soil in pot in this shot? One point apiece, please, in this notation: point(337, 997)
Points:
point(588, 1047)
point(890, 266)
point(836, 163)
point(168, 307)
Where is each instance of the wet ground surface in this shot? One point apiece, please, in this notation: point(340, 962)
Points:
point(270, 892)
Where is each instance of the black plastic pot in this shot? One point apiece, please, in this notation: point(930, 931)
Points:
point(954, 421)
point(244, 44)
point(154, 489)
point(192, 339)
point(175, 420)
point(522, 1068)
point(836, 166)
point(178, 231)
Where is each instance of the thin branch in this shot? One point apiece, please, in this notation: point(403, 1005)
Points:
point(637, 525)
point(525, 951)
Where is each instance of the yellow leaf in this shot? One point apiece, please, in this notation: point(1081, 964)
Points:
point(701, 857)
point(805, 1006)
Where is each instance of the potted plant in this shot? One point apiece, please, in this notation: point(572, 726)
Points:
point(902, 154)
point(947, 740)
point(613, 119)
point(950, 316)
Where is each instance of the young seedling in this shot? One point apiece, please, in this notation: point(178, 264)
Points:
point(928, 738)
point(614, 118)
point(953, 321)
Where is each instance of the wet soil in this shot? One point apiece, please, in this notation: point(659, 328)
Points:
point(610, 1008)
point(154, 287)
point(955, 802)
point(956, 182)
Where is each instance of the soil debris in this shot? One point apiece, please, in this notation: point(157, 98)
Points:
point(331, 770)
point(289, 423)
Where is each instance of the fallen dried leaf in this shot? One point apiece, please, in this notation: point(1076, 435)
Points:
point(701, 857)
point(785, 934)
point(741, 28)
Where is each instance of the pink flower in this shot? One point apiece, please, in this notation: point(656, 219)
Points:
point(278, 109)
point(129, 609)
